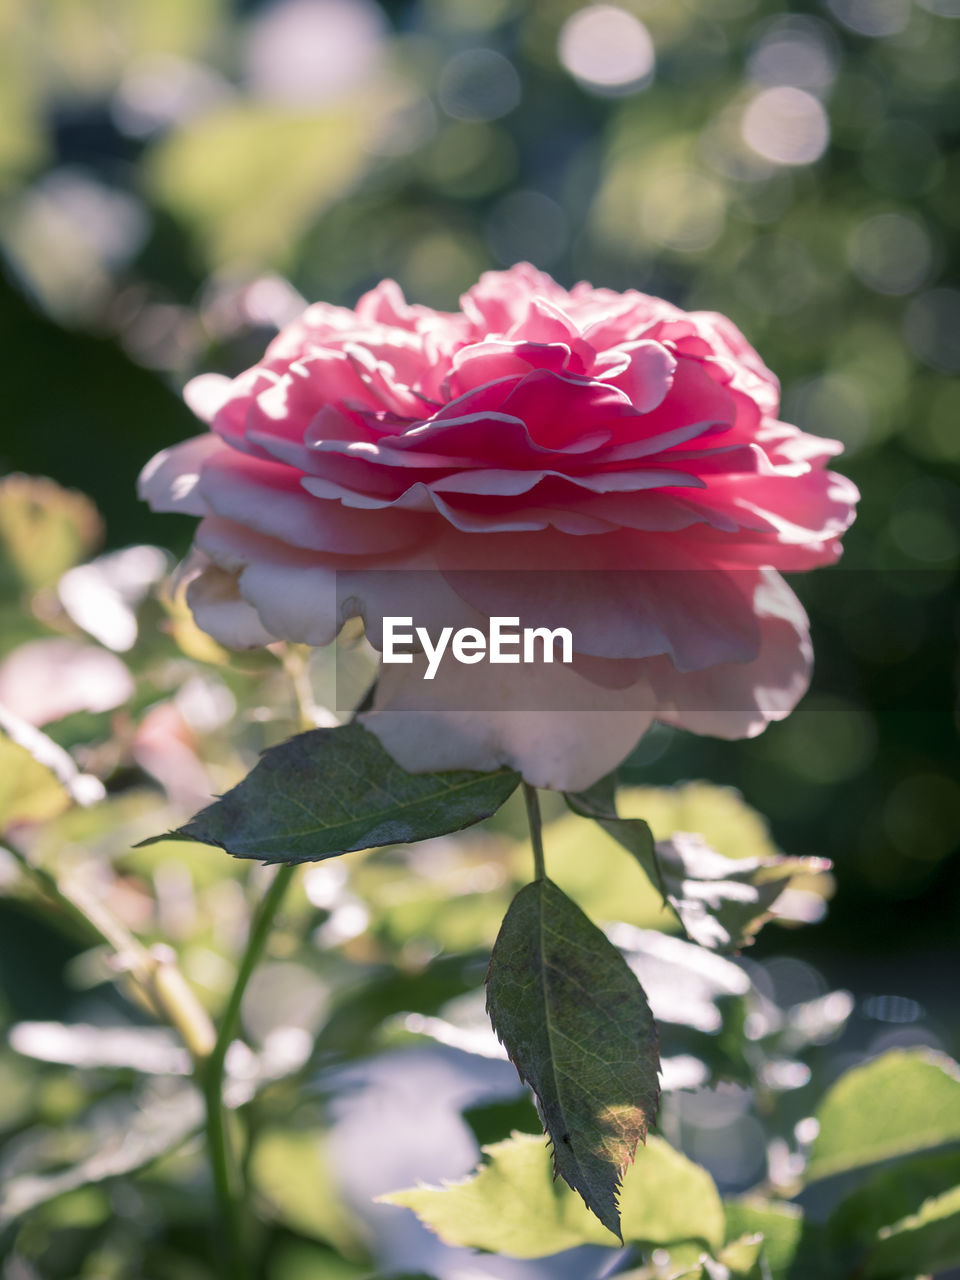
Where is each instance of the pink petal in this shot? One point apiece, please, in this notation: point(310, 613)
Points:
point(170, 480)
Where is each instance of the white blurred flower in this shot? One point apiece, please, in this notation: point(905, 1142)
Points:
point(45, 680)
point(101, 596)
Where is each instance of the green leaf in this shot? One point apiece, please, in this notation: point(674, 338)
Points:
point(781, 1225)
point(667, 1198)
point(724, 902)
point(293, 1173)
point(742, 1257)
point(298, 162)
point(117, 1138)
point(721, 902)
point(633, 834)
point(720, 814)
point(330, 791)
point(38, 779)
point(512, 1205)
point(905, 1101)
point(29, 792)
point(588, 865)
point(927, 1241)
point(44, 530)
point(577, 1026)
point(899, 1193)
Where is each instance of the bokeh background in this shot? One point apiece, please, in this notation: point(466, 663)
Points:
point(176, 176)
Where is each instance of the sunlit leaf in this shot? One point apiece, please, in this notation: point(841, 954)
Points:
point(589, 866)
point(719, 814)
point(296, 162)
point(44, 529)
point(38, 779)
point(29, 791)
point(513, 1204)
point(667, 1198)
point(576, 1024)
point(781, 1225)
point(720, 901)
point(723, 902)
point(683, 982)
point(905, 1101)
point(330, 791)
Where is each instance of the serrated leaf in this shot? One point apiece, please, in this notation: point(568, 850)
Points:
point(331, 791)
point(576, 1024)
point(513, 1205)
point(905, 1101)
point(721, 902)
point(44, 529)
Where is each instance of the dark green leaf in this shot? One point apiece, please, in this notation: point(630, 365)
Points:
point(888, 1196)
point(577, 1026)
point(330, 791)
point(927, 1241)
point(721, 902)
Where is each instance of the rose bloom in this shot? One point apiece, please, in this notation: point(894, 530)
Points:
point(616, 461)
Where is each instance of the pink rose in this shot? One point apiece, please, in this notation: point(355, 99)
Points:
point(585, 436)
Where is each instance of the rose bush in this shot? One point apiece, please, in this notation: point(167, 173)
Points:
point(623, 452)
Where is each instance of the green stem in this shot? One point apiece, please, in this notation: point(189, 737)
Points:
point(536, 830)
point(222, 1160)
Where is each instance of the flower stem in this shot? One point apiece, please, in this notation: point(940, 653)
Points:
point(222, 1159)
point(536, 830)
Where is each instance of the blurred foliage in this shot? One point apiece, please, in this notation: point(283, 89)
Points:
point(175, 176)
